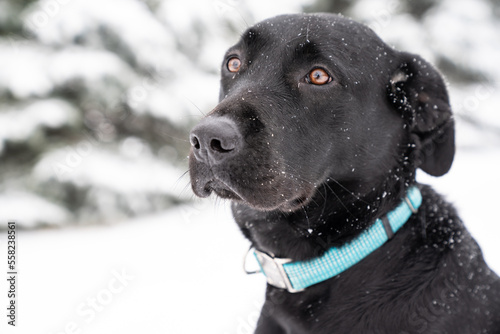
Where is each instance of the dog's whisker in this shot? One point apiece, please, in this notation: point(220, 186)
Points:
point(183, 174)
point(179, 180)
point(185, 189)
point(194, 105)
point(340, 200)
point(324, 203)
point(307, 218)
point(296, 174)
point(166, 135)
point(349, 191)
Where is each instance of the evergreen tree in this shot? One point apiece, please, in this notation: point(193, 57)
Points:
point(96, 101)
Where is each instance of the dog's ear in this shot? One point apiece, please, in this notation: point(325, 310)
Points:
point(419, 93)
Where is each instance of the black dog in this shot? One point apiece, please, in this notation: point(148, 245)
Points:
point(316, 139)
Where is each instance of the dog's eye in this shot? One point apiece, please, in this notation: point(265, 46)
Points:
point(318, 76)
point(233, 64)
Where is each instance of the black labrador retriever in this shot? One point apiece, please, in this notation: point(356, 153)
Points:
point(316, 139)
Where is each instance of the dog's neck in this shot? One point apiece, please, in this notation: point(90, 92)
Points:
point(337, 214)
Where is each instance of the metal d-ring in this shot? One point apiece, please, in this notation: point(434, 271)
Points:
point(249, 272)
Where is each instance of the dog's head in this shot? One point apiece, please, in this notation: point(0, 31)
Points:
point(309, 98)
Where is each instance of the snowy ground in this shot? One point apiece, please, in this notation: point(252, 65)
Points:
point(180, 271)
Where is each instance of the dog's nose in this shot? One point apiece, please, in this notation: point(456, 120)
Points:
point(215, 139)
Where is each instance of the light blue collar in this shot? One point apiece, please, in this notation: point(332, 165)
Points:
point(296, 276)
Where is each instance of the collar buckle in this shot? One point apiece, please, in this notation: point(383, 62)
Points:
point(275, 272)
point(410, 204)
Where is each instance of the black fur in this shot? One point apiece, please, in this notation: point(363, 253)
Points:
point(310, 166)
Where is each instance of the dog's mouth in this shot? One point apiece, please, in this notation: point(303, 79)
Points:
point(222, 190)
point(266, 199)
point(255, 188)
point(302, 200)
point(298, 202)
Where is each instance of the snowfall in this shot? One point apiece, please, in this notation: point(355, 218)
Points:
point(181, 271)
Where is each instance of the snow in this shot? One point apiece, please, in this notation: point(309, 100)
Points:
point(24, 77)
point(186, 264)
point(88, 164)
point(112, 182)
point(472, 185)
point(163, 100)
point(90, 65)
point(146, 41)
point(26, 208)
point(22, 123)
point(175, 273)
point(36, 71)
point(135, 25)
point(263, 9)
point(466, 30)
